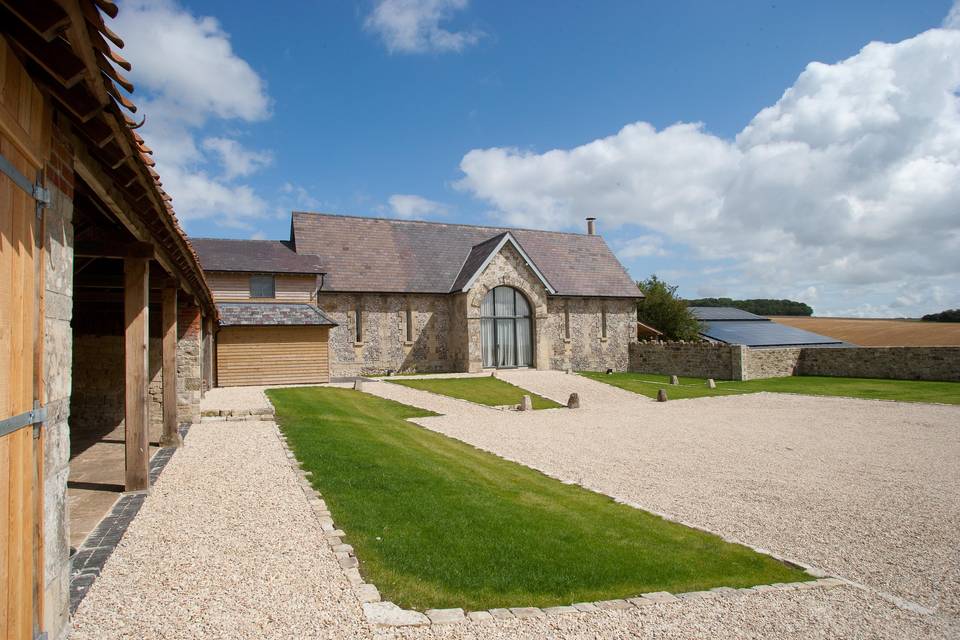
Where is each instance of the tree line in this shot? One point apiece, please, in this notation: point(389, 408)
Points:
point(950, 315)
point(759, 306)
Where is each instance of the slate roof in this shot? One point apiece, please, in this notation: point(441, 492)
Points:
point(735, 326)
point(262, 256)
point(405, 256)
point(259, 314)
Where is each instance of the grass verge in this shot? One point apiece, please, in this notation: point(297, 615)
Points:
point(437, 523)
point(869, 388)
point(486, 390)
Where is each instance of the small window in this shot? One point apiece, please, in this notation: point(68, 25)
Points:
point(603, 322)
point(566, 320)
point(409, 324)
point(262, 287)
point(358, 321)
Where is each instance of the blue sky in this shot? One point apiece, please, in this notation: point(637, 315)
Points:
point(647, 115)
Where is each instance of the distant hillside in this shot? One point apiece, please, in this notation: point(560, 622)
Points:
point(759, 306)
point(950, 315)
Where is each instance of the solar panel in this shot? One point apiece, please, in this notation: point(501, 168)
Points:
point(723, 313)
point(763, 334)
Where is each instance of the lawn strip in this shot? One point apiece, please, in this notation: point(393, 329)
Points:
point(866, 388)
point(437, 523)
point(486, 390)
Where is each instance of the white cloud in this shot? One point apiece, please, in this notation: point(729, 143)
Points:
point(188, 78)
point(952, 21)
point(237, 161)
point(413, 26)
point(850, 181)
point(190, 61)
point(641, 247)
point(413, 206)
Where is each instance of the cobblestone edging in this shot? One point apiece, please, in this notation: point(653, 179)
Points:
point(385, 613)
point(90, 558)
point(234, 415)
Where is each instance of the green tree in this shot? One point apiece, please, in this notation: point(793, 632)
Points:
point(663, 310)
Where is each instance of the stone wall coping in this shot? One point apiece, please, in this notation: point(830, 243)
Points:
point(384, 613)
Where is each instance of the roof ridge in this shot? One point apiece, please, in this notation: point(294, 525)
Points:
point(438, 222)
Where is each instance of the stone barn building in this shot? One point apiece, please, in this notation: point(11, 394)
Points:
point(347, 296)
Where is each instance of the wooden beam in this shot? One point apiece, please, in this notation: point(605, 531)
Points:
point(171, 435)
point(87, 168)
point(108, 249)
point(136, 378)
point(45, 18)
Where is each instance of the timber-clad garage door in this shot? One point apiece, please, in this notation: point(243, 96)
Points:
point(272, 355)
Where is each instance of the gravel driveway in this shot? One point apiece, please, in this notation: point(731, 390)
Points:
point(867, 490)
point(225, 546)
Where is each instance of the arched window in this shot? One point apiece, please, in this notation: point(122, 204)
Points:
point(505, 329)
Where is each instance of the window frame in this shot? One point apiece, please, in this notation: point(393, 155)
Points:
point(254, 292)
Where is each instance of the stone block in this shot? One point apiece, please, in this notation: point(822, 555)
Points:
point(559, 611)
point(641, 602)
point(711, 384)
point(388, 614)
point(526, 404)
point(659, 596)
point(367, 593)
point(479, 616)
point(662, 395)
point(613, 605)
point(586, 607)
point(502, 614)
point(527, 612)
point(674, 380)
point(445, 616)
point(573, 402)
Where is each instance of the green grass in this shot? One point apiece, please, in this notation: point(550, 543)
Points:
point(870, 388)
point(487, 390)
point(437, 523)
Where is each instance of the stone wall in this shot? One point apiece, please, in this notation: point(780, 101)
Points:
point(188, 364)
point(586, 349)
point(733, 362)
point(57, 350)
point(96, 404)
point(770, 363)
point(384, 345)
point(694, 359)
point(899, 363)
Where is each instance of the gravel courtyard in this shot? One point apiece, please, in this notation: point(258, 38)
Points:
point(227, 546)
point(867, 490)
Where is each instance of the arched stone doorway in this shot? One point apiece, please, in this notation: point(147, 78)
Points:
point(506, 329)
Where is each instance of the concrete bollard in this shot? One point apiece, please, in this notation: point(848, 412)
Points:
point(358, 385)
point(711, 384)
point(674, 380)
point(574, 401)
point(569, 371)
point(526, 404)
point(662, 395)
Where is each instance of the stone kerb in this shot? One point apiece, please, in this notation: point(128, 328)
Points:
point(384, 613)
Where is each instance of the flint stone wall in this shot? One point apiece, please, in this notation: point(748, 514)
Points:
point(735, 362)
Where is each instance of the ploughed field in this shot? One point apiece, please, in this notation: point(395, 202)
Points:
point(879, 332)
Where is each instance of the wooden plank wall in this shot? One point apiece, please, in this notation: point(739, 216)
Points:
point(24, 141)
point(272, 355)
point(236, 287)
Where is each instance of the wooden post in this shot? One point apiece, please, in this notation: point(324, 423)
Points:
point(135, 305)
point(171, 435)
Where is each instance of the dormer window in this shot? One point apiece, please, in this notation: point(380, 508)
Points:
point(262, 287)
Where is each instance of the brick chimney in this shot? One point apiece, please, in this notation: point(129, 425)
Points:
point(591, 226)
